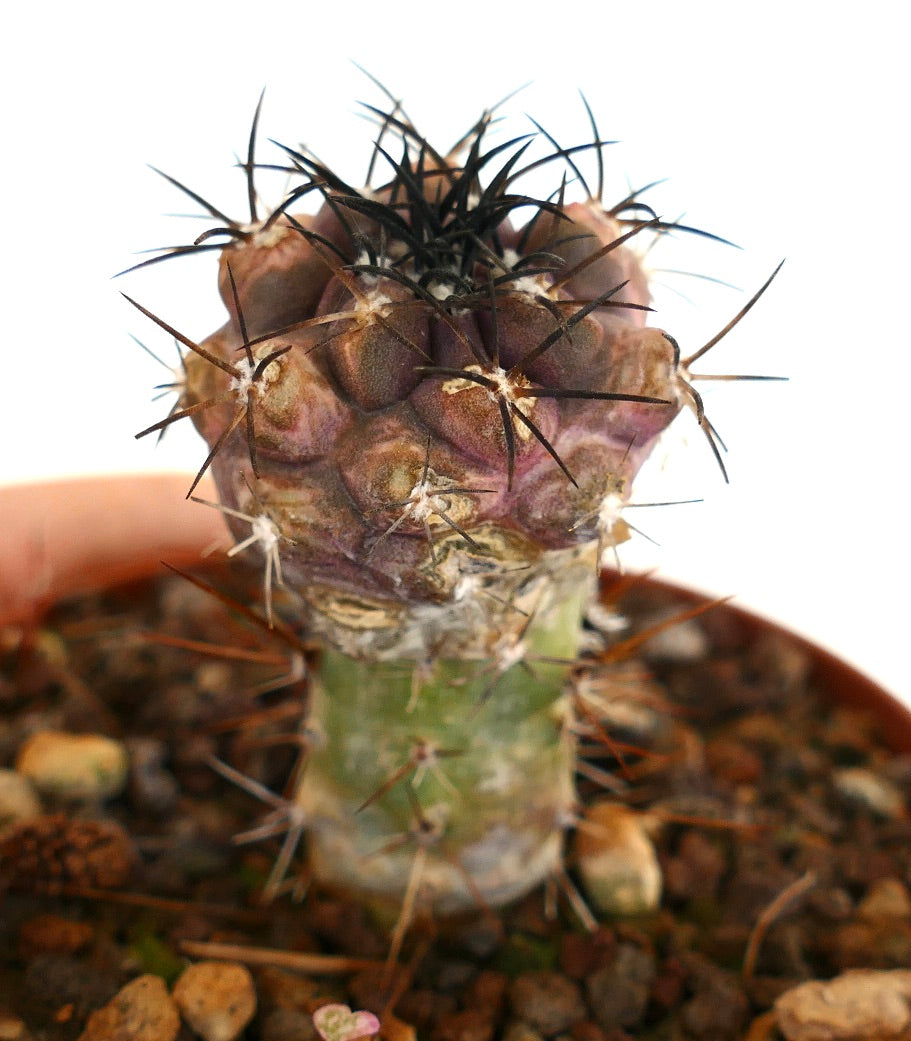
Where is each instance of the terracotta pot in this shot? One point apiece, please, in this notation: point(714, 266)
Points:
point(69, 536)
point(64, 537)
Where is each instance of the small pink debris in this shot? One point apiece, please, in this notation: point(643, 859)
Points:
point(339, 1023)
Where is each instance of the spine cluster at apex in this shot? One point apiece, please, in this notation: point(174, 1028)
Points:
point(413, 387)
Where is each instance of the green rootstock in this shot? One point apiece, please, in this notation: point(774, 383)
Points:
point(469, 761)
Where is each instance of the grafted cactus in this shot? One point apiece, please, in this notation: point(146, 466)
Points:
point(426, 413)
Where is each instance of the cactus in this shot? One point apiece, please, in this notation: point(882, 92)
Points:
point(426, 413)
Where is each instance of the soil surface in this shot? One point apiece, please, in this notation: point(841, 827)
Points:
point(780, 824)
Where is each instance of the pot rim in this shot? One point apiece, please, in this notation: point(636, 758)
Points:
point(846, 684)
point(67, 536)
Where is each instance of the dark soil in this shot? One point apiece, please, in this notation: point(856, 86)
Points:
point(781, 825)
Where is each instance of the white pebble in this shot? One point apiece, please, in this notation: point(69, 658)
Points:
point(18, 799)
point(859, 1005)
point(616, 860)
point(876, 793)
point(82, 767)
point(684, 642)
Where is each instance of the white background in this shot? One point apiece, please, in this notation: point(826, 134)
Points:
point(780, 126)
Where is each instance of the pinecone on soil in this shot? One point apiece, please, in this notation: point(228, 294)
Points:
point(52, 852)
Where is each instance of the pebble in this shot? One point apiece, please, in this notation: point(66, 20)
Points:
point(422, 1007)
point(453, 974)
point(880, 943)
point(860, 1005)
point(141, 1011)
point(487, 991)
point(83, 767)
point(862, 786)
point(281, 988)
point(152, 787)
point(628, 717)
point(12, 1028)
point(53, 981)
point(480, 937)
point(590, 1031)
point(719, 1008)
point(216, 998)
point(344, 923)
point(18, 798)
point(519, 1031)
point(287, 1024)
point(618, 994)
point(52, 934)
point(547, 1001)
point(696, 869)
point(732, 761)
point(583, 953)
point(616, 860)
point(470, 1024)
point(833, 903)
point(886, 898)
point(780, 662)
point(684, 642)
point(668, 986)
point(719, 1015)
point(609, 693)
